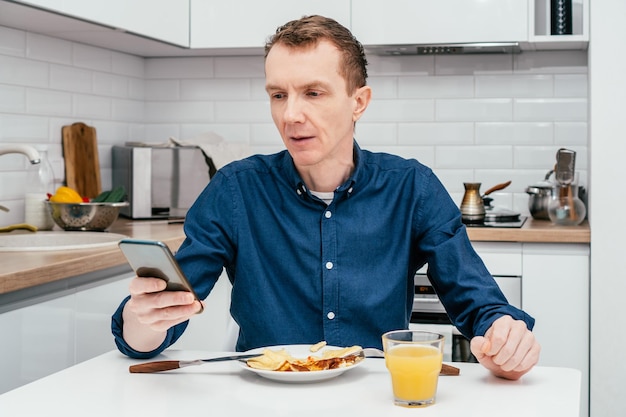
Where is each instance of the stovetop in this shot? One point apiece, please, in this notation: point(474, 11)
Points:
point(511, 225)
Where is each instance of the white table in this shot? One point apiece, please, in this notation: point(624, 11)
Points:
point(104, 387)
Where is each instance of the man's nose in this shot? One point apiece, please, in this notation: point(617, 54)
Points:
point(294, 110)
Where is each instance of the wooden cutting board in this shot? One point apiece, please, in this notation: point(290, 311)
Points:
point(82, 166)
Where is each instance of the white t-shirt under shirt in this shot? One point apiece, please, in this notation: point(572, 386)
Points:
point(325, 197)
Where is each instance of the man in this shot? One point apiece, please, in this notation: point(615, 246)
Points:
point(322, 241)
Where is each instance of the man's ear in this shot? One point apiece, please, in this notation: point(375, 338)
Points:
point(362, 98)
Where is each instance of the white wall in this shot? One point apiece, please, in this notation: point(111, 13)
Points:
point(607, 151)
point(487, 118)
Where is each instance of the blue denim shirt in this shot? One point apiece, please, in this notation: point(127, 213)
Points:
point(303, 271)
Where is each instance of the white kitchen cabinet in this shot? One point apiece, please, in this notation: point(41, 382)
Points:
point(51, 335)
point(539, 27)
point(395, 22)
point(247, 24)
point(164, 20)
point(55, 333)
point(555, 291)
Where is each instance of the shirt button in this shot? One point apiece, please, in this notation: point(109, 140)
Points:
point(328, 214)
point(329, 265)
point(330, 315)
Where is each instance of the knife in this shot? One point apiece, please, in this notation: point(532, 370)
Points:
point(160, 366)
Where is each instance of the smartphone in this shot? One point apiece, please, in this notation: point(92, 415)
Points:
point(151, 258)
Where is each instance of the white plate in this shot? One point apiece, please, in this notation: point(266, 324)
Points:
point(298, 351)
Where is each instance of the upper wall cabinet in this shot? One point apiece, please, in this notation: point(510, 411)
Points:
point(396, 22)
point(544, 29)
point(248, 23)
point(163, 20)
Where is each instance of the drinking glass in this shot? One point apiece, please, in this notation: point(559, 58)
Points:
point(413, 358)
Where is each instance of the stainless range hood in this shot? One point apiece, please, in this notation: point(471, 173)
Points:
point(446, 49)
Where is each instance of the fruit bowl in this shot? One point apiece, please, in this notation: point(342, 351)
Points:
point(94, 217)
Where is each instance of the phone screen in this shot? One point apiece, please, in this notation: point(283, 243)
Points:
point(150, 258)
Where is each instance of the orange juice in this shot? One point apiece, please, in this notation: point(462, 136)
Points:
point(414, 371)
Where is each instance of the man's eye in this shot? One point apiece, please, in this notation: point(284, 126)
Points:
point(277, 96)
point(313, 93)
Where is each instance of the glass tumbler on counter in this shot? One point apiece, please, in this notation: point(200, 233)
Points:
point(413, 358)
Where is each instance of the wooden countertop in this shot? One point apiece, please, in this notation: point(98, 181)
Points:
point(27, 269)
point(21, 270)
point(537, 231)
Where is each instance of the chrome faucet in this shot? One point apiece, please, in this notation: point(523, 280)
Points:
point(30, 152)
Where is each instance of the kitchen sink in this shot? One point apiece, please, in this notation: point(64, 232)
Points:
point(57, 240)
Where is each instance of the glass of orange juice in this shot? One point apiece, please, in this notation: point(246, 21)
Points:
point(413, 358)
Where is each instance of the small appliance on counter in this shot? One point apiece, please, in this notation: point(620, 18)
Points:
point(477, 211)
point(162, 181)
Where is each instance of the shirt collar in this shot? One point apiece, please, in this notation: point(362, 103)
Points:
point(347, 188)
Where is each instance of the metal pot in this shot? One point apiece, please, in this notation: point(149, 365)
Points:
point(539, 196)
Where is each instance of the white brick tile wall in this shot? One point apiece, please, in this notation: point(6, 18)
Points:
point(514, 86)
point(91, 57)
point(181, 112)
point(551, 109)
point(129, 65)
point(436, 87)
point(401, 110)
point(215, 89)
point(21, 71)
point(480, 110)
point(474, 64)
point(436, 133)
point(13, 42)
point(513, 133)
point(91, 107)
point(242, 112)
point(486, 118)
point(47, 102)
point(178, 68)
point(67, 78)
point(239, 67)
point(162, 90)
point(112, 85)
point(47, 49)
point(12, 99)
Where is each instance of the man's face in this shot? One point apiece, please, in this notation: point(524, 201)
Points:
point(310, 105)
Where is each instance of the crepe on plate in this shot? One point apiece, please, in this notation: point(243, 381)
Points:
point(281, 360)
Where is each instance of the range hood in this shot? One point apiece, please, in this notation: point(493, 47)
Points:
point(446, 49)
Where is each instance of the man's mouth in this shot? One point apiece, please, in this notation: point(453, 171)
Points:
point(300, 138)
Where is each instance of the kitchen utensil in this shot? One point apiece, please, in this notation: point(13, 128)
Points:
point(159, 366)
point(95, 217)
point(487, 200)
point(472, 205)
point(82, 166)
point(497, 187)
point(539, 195)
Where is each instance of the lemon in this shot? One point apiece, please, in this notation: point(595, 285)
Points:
point(66, 195)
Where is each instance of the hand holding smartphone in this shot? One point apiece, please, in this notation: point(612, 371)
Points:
point(151, 258)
